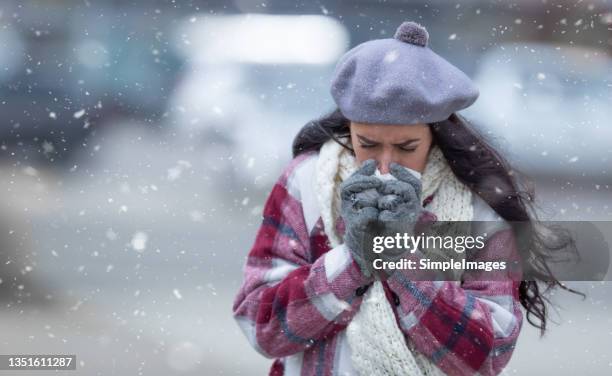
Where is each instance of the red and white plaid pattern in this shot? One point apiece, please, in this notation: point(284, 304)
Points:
point(298, 295)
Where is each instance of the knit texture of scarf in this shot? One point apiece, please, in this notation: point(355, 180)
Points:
point(378, 346)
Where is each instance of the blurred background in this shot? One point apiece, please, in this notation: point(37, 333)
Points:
point(139, 140)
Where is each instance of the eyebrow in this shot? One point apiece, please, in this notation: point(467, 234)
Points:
point(367, 140)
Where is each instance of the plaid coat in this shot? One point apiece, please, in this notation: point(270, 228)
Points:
point(299, 295)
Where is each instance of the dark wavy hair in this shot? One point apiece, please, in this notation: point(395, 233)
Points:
point(511, 194)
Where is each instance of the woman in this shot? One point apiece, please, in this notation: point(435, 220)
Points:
point(311, 297)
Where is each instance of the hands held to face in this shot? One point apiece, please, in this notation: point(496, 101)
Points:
point(373, 207)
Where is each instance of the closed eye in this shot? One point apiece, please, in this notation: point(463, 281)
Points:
point(402, 148)
point(368, 145)
point(408, 149)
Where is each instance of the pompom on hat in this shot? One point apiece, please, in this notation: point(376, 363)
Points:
point(399, 80)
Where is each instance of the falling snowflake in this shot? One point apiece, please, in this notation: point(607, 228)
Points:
point(47, 147)
point(391, 56)
point(139, 241)
point(79, 114)
point(176, 171)
point(177, 294)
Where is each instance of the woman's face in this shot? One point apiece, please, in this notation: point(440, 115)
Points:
point(407, 145)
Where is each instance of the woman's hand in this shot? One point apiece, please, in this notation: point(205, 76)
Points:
point(360, 196)
point(400, 199)
point(399, 207)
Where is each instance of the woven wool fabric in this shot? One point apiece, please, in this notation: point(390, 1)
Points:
point(378, 347)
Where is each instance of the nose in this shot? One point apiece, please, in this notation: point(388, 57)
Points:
point(383, 163)
point(383, 168)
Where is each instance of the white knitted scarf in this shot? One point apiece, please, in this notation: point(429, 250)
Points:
point(378, 347)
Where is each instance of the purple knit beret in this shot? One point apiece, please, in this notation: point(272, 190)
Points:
point(399, 80)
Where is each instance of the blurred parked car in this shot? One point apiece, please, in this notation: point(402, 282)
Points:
point(548, 106)
point(63, 74)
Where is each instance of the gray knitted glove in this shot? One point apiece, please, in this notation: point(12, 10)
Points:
point(359, 199)
point(400, 207)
